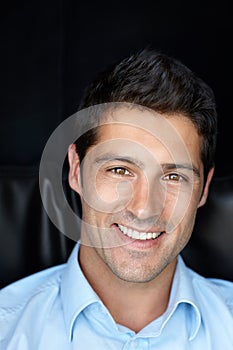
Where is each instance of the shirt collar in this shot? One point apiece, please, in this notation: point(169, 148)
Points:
point(183, 291)
point(77, 294)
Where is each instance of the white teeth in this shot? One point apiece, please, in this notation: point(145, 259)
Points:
point(138, 235)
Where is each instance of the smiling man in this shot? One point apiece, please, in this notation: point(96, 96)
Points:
point(142, 171)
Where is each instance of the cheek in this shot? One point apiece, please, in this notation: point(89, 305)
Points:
point(107, 196)
point(107, 191)
point(187, 227)
point(112, 191)
point(180, 208)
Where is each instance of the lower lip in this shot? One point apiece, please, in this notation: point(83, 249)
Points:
point(138, 243)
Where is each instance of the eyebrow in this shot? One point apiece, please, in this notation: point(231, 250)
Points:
point(135, 161)
point(113, 157)
point(176, 166)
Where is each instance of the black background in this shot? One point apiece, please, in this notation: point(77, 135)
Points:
point(51, 49)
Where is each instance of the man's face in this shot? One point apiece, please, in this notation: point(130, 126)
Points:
point(140, 188)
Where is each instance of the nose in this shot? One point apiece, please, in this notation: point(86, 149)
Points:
point(148, 198)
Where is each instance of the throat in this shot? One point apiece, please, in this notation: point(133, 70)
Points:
point(131, 304)
point(135, 314)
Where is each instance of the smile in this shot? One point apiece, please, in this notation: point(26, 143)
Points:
point(139, 235)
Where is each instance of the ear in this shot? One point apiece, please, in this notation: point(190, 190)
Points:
point(206, 188)
point(74, 171)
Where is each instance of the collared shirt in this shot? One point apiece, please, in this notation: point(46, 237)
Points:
point(57, 309)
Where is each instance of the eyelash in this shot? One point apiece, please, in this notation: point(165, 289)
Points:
point(114, 171)
point(167, 177)
point(179, 177)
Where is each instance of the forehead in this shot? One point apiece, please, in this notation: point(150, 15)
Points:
point(145, 121)
point(126, 129)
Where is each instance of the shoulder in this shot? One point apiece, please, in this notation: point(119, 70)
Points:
point(213, 290)
point(17, 294)
point(26, 304)
point(224, 289)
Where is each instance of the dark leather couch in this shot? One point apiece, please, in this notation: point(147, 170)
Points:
point(30, 242)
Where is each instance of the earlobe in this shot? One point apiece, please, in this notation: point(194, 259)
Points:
point(74, 171)
point(206, 188)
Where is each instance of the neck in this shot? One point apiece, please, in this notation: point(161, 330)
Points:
point(133, 305)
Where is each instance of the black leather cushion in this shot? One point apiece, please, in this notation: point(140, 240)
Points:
point(29, 241)
point(210, 250)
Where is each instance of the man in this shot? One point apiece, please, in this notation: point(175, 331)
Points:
point(142, 170)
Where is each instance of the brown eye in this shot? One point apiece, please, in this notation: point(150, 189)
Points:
point(173, 177)
point(120, 171)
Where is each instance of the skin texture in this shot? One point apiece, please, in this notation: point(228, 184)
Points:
point(145, 174)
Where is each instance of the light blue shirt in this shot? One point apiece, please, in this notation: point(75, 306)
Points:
point(56, 309)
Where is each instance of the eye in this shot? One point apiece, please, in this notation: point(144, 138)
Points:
point(120, 171)
point(174, 177)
